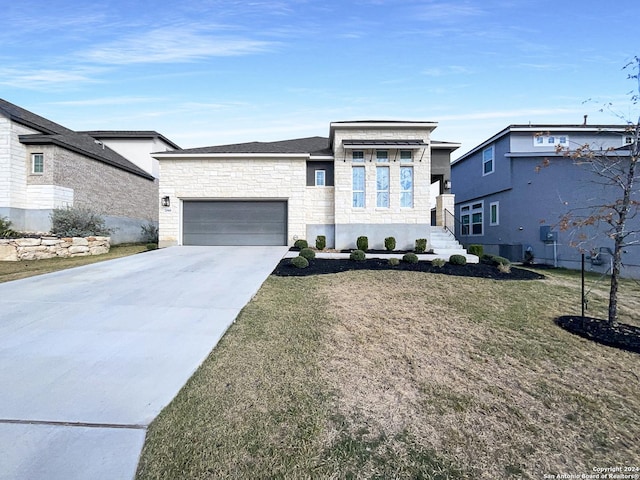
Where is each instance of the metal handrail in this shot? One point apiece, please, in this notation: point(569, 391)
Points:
point(450, 221)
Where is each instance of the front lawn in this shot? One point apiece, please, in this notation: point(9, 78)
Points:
point(394, 374)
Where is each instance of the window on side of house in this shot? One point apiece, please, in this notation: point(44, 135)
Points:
point(321, 178)
point(406, 156)
point(382, 187)
point(494, 214)
point(37, 163)
point(406, 187)
point(382, 156)
point(358, 187)
point(471, 219)
point(487, 161)
point(357, 156)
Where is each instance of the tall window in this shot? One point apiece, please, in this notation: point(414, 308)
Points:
point(471, 219)
point(382, 187)
point(487, 161)
point(382, 156)
point(406, 187)
point(358, 187)
point(494, 213)
point(320, 178)
point(357, 156)
point(406, 156)
point(37, 163)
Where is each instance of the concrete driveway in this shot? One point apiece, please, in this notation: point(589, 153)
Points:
point(89, 356)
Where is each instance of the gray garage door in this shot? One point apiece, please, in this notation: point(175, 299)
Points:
point(234, 223)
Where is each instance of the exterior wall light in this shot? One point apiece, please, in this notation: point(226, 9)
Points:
point(447, 184)
point(165, 201)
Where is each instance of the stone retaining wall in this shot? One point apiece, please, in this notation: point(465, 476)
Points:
point(14, 249)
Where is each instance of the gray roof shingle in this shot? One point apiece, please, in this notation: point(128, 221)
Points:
point(311, 145)
point(55, 134)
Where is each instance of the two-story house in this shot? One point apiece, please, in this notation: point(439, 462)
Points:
point(44, 165)
point(372, 178)
point(510, 202)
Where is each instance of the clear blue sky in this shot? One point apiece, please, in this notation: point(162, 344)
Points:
point(211, 72)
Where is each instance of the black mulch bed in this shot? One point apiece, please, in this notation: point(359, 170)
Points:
point(320, 266)
point(622, 336)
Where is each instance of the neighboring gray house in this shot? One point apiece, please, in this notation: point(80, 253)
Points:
point(44, 166)
point(375, 178)
point(506, 204)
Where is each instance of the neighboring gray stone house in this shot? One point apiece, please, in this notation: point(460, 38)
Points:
point(44, 166)
point(508, 205)
point(373, 178)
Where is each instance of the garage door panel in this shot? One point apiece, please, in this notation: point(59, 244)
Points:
point(234, 223)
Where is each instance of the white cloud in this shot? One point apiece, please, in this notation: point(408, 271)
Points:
point(182, 43)
point(41, 78)
point(105, 101)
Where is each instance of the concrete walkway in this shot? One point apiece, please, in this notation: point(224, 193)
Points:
point(90, 356)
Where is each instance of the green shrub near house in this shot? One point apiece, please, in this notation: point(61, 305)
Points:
point(358, 256)
point(394, 262)
point(308, 253)
point(5, 228)
point(362, 243)
point(477, 250)
point(78, 222)
point(300, 244)
point(410, 258)
point(390, 244)
point(438, 262)
point(321, 242)
point(458, 260)
point(300, 262)
point(421, 245)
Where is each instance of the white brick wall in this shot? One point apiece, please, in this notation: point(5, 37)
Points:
point(242, 179)
point(13, 164)
point(421, 211)
point(48, 196)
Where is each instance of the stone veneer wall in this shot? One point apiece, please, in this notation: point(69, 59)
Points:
point(14, 249)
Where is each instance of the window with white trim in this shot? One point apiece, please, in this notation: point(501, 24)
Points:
point(406, 187)
point(406, 156)
point(487, 161)
point(382, 156)
point(382, 187)
point(358, 180)
point(471, 219)
point(551, 140)
point(357, 156)
point(494, 214)
point(37, 163)
point(321, 176)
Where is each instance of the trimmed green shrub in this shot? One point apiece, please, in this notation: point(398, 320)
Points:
point(390, 244)
point(362, 243)
point(477, 250)
point(77, 222)
point(458, 260)
point(358, 256)
point(438, 262)
point(149, 233)
point(152, 246)
point(421, 245)
point(301, 244)
point(410, 258)
point(300, 262)
point(308, 253)
point(494, 260)
point(501, 260)
point(394, 262)
point(321, 242)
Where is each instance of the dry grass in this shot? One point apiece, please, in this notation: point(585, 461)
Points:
point(424, 376)
point(28, 268)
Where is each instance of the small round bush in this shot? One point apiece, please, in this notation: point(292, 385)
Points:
point(308, 253)
point(301, 244)
point(300, 262)
point(410, 258)
point(152, 246)
point(477, 250)
point(458, 260)
point(362, 243)
point(438, 262)
point(393, 261)
point(358, 256)
point(321, 242)
point(390, 244)
point(501, 261)
point(421, 245)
